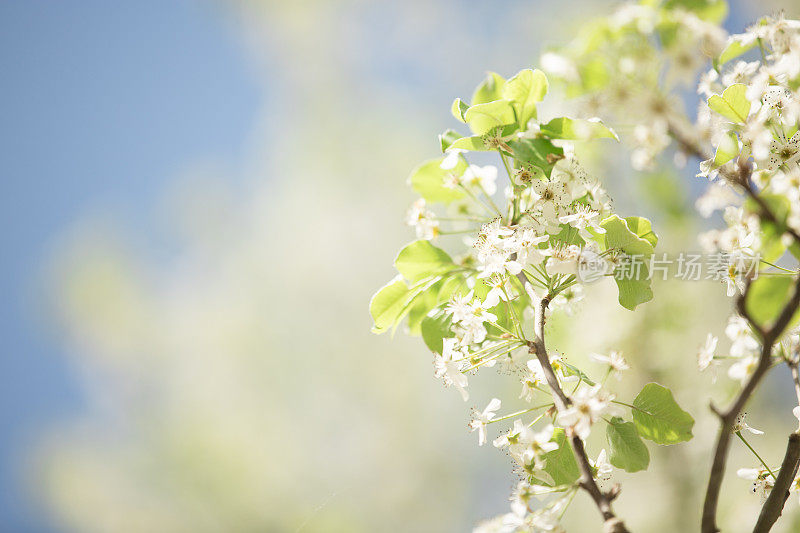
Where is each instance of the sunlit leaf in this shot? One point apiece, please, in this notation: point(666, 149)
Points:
point(659, 418)
point(627, 451)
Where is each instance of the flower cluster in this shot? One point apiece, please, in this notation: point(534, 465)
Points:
point(627, 67)
point(524, 257)
point(750, 119)
point(519, 260)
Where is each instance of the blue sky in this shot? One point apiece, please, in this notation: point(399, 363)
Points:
point(102, 103)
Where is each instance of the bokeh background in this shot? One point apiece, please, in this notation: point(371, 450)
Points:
point(199, 199)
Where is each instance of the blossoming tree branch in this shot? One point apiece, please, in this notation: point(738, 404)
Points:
point(527, 253)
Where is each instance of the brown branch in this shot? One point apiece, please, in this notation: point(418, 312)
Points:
point(741, 176)
point(773, 507)
point(611, 523)
point(728, 417)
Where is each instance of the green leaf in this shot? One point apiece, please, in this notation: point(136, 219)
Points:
point(421, 259)
point(659, 418)
point(422, 305)
point(458, 109)
point(627, 451)
point(633, 292)
point(642, 228)
point(734, 49)
point(482, 118)
point(633, 289)
point(434, 329)
point(491, 88)
point(619, 235)
point(728, 149)
point(577, 129)
point(447, 138)
point(427, 180)
point(534, 152)
point(772, 245)
point(526, 89)
point(571, 370)
point(473, 144)
point(732, 104)
point(560, 464)
point(387, 305)
point(767, 297)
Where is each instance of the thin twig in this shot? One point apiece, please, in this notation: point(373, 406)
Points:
point(773, 507)
point(611, 524)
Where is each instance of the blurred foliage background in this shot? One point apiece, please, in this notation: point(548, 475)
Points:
point(221, 342)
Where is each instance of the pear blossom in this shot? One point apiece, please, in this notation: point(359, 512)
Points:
point(451, 158)
point(482, 177)
point(588, 405)
point(705, 355)
point(741, 425)
point(616, 363)
point(784, 154)
point(738, 331)
point(743, 368)
point(482, 418)
point(761, 478)
point(602, 467)
point(422, 220)
point(553, 194)
point(448, 367)
point(564, 259)
point(584, 218)
point(525, 243)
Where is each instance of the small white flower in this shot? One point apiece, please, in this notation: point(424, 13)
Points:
point(717, 196)
point(482, 418)
point(706, 354)
point(460, 306)
point(586, 408)
point(525, 244)
point(583, 219)
point(567, 300)
point(422, 220)
point(447, 366)
point(451, 158)
point(738, 330)
point(784, 153)
point(483, 177)
point(616, 363)
point(604, 468)
point(536, 370)
point(497, 292)
point(741, 425)
point(743, 368)
point(564, 260)
point(762, 480)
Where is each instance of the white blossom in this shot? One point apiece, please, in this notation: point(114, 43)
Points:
point(588, 405)
point(481, 418)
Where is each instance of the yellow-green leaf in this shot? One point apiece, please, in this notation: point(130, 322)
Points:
point(627, 451)
point(427, 180)
point(482, 118)
point(526, 89)
point(659, 418)
point(458, 109)
point(491, 88)
point(732, 104)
